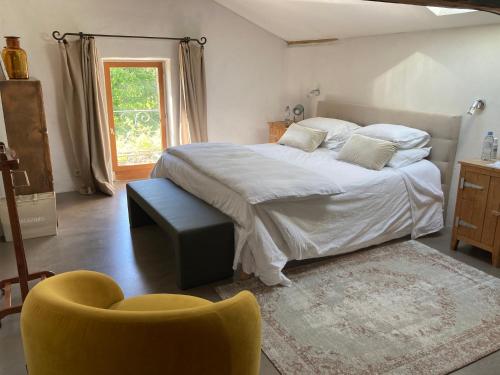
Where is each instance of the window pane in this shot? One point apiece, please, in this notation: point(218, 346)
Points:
point(136, 114)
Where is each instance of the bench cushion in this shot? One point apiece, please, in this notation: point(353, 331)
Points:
point(181, 212)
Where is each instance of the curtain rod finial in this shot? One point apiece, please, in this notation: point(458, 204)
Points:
point(57, 35)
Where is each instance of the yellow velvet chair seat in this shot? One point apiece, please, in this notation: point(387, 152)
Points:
point(79, 323)
point(159, 302)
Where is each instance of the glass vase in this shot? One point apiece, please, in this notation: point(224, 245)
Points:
point(15, 59)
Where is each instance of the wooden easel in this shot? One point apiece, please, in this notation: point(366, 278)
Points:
point(8, 164)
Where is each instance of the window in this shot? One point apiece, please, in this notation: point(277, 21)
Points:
point(135, 94)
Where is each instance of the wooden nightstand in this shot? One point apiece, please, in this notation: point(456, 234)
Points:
point(276, 130)
point(477, 213)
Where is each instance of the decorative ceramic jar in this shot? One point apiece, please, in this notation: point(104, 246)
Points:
point(15, 59)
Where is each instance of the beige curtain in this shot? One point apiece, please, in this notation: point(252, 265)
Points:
point(85, 116)
point(193, 96)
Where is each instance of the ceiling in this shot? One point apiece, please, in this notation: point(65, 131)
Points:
point(319, 19)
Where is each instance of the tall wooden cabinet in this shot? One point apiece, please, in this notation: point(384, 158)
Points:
point(26, 129)
point(477, 213)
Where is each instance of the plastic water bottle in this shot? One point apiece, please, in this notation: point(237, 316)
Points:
point(495, 149)
point(488, 147)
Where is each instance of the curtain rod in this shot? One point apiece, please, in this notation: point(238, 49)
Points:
point(57, 36)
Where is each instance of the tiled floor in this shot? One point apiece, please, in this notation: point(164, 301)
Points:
point(94, 234)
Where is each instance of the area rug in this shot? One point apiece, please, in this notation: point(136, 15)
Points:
point(398, 309)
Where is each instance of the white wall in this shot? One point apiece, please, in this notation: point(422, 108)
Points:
point(434, 71)
point(250, 73)
point(243, 62)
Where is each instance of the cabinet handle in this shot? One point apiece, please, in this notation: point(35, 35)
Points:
point(495, 213)
point(469, 185)
point(462, 223)
point(25, 175)
point(472, 186)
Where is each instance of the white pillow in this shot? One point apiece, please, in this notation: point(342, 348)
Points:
point(339, 131)
point(367, 152)
point(303, 138)
point(403, 136)
point(402, 158)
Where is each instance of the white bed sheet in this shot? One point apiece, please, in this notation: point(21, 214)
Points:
point(377, 206)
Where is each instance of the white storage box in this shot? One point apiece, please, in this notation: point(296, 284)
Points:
point(37, 214)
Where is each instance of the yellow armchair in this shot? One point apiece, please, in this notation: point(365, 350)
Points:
point(78, 323)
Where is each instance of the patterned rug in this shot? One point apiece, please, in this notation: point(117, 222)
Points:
point(398, 309)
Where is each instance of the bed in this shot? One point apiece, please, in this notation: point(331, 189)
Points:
point(373, 206)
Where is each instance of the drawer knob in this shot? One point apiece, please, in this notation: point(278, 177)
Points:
point(495, 213)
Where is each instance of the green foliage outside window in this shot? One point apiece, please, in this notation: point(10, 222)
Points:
point(136, 116)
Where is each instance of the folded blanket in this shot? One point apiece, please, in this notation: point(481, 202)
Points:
point(255, 177)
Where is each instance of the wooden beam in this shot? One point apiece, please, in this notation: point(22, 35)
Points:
point(310, 41)
point(492, 6)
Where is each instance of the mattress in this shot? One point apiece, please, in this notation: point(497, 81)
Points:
point(376, 206)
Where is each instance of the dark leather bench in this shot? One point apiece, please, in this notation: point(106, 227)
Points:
point(202, 236)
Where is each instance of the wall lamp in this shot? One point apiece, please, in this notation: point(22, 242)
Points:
point(298, 111)
point(478, 104)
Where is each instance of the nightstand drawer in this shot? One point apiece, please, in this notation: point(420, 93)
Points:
point(474, 186)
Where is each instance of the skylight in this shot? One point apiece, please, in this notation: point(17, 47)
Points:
point(449, 11)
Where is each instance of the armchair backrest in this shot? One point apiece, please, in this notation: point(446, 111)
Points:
point(68, 326)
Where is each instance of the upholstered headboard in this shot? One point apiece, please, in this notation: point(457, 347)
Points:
point(443, 129)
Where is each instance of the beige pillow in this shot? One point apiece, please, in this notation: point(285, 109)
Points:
point(367, 152)
point(303, 138)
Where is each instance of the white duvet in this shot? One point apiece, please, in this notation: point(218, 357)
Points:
point(376, 206)
point(255, 177)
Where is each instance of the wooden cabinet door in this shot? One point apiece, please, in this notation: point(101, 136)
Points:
point(473, 195)
point(26, 130)
point(492, 215)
